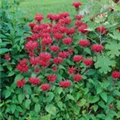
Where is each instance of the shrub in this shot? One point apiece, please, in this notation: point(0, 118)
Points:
point(71, 71)
point(14, 29)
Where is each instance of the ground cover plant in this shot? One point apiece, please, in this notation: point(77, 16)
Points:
point(70, 69)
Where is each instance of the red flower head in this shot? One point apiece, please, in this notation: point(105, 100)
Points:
point(70, 31)
point(97, 48)
point(65, 84)
point(116, 74)
point(21, 83)
point(84, 43)
point(31, 45)
point(77, 77)
point(39, 17)
point(88, 62)
point(45, 87)
point(46, 41)
point(34, 81)
point(65, 21)
point(44, 63)
point(83, 28)
point(64, 14)
point(71, 70)
point(54, 48)
point(58, 36)
point(34, 60)
point(22, 66)
point(78, 17)
point(52, 78)
point(102, 30)
point(31, 25)
point(67, 41)
point(57, 60)
point(63, 54)
point(45, 56)
point(7, 56)
point(77, 4)
point(77, 58)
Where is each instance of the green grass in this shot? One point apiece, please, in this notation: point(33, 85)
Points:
point(46, 6)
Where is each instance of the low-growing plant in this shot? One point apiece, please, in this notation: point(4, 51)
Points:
point(71, 71)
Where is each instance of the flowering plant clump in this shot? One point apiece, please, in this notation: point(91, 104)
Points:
point(71, 70)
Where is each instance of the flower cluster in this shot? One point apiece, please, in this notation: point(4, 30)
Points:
point(52, 49)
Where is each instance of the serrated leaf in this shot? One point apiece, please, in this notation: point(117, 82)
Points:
point(114, 49)
point(70, 97)
point(115, 35)
point(7, 93)
point(104, 64)
point(18, 77)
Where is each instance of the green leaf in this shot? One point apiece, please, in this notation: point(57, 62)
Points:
point(47, 117)
point(114, 48)
point(104, 96)
point(37, 107)
point(82, 102)
point(21, 97)
point(50, 96)
point(7, 93)
point(70, 97)
point(104, 64)
point(27, 104)
point(60, 105)
point(4, 50)
point(115, 35)
point(51, 109)
point(13, 107)
point(93, 99)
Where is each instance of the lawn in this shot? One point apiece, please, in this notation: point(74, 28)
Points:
point(46, 6)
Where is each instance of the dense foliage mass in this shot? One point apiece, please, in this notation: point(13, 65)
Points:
point(70, 67)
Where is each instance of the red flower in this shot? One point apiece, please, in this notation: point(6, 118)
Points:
point(84, 43)
point(76, 4)
point(88, 62)
point(45, 56)
point(58, 36)
point(31, 25)
point(39, 17)
point(34, 60)
point(52, 78)
point(64, 14)
point(63, 54)
point(97, 48)
point(67, 41)
point(22, 66)
point(102, 30)
point(83, 28)
point(70, 31)
point(116, 74)
point(77, 58)
point(65, 84)
point(57, 60)
point(77, 77)
point(46, 41)
point(54, 48)
point(21, 83)
point(31, 45)
point(78, 17)
point(44, 63)
point(65, 21)
point(71, 70)
point(45, 87)
point(7, 56)
point(34, 81)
